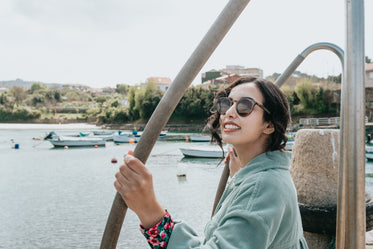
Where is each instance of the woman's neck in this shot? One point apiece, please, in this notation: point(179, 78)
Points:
point(247, 152)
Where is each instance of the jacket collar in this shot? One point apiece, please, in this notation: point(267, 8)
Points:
point(266, 161)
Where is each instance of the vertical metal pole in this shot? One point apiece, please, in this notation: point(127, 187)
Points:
point(167, 105)
point(351, 215)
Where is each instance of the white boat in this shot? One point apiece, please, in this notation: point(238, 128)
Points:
point(103, 132)
point(289, 145)
point(125, 139)
point(369, 152)
point(63, 141)
point(203, 152)
point(138, 134)
point(199, 138)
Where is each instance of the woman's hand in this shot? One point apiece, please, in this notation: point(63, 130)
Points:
point(234, 161)
point(134, 183)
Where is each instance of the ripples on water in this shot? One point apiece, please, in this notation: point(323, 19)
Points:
point(57, 198)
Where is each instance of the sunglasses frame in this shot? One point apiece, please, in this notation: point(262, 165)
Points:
point(232, 101)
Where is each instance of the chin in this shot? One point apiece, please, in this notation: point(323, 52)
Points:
point(228, 139)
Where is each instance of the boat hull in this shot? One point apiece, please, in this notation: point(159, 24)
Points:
point(77, 142)
point(202, 153)
point(125, 139)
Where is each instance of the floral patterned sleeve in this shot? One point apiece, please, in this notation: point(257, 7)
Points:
point(159, 235)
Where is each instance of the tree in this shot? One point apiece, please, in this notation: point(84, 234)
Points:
point(122, 89)
point(3, 99)
point(147, 100)
point(132, 112)
point(100, 99)
point(18, 93)
point(36, 87)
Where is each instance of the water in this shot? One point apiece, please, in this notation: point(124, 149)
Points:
point(58, 198)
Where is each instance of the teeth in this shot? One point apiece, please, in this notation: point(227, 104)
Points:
point(230, 126)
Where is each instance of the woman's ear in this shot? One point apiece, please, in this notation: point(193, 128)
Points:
point(270, 128)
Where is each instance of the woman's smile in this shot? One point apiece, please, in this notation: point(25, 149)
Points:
point(230, 127)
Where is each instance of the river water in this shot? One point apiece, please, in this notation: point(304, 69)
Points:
point(61, 198)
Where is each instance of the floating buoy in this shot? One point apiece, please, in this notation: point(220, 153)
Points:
point(114, 160)
point(132, 141)
point(187, 139)
point(96, 146)
point(66, 147)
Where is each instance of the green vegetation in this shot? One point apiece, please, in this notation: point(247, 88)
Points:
point(307, 95)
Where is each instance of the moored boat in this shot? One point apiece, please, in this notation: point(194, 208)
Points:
point(199, 138)
point(203, 152)
point(125, 139)
point(63, 141)
point(369, 152)
point(103, 132)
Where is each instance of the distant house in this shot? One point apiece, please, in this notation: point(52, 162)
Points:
point(226, 79)
point(213, 76)
point(162, 83)
point(369, 75)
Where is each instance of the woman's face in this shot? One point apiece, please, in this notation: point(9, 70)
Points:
point(244, 131)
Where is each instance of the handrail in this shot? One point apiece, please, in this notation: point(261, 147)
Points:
point(300, 58)
point(351, 216)
point(167, 105)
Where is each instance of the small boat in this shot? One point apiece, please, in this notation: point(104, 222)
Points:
point(369, 152)
point(289, 145)
point(125, 139)
point(199, 138)
point(103, 132)
point(63, 141)
point(53, 135)
point(203, 152)
point(138, 134)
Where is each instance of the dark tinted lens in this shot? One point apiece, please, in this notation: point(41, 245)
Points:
point(244, 107)
point(223, 105)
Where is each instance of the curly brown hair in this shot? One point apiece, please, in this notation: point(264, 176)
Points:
point(274, 100)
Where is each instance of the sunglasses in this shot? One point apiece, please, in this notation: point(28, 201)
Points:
point(244, 106)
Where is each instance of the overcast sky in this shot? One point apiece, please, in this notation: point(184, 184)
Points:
point(106, 42)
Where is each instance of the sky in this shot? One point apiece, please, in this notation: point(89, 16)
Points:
point(102, 43)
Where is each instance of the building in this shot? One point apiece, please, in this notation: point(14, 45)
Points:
point(162, 83)
point(226, 79)
point(240, 70)
point(369, 75)
point(230, 70)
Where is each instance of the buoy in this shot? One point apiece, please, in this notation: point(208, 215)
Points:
point(66, 147)
point(187, 139)
point(96, 146)
point(132, 141)
point(130, 152)
point(114, 160)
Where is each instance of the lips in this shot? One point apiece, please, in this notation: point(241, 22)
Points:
point(231, 126)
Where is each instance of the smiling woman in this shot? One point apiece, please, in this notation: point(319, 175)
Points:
point(259, 208)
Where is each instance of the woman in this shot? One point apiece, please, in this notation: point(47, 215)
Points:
point(259, 207)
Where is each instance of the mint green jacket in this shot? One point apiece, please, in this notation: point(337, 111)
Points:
point(258, 210)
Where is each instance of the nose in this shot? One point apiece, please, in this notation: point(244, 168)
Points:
point(231, 112)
